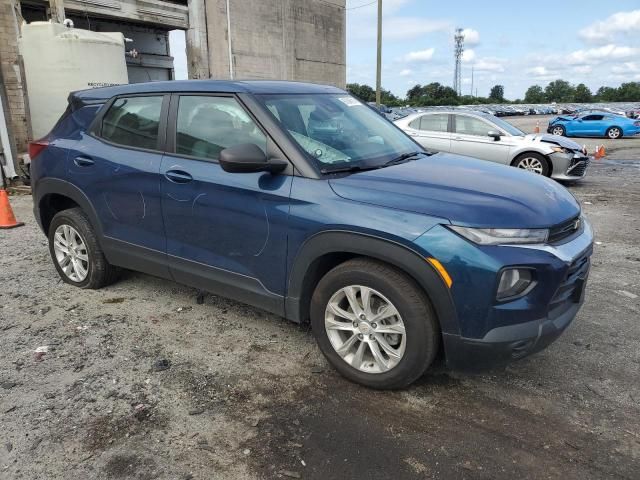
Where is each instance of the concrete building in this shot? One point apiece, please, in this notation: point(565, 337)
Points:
point(243, 39)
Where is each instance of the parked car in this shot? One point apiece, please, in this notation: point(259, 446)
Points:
point(299, 199)
point(594, 124)
point(487, 137)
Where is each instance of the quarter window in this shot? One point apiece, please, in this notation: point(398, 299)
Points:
point(207, 125)
point(471, 126)
point(133, 122)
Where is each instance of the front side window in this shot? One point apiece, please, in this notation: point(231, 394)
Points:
point(133, 122)
point(336, 130)
point(471, 126)
point(207, 125)
point(434, 123)
point(592, 118)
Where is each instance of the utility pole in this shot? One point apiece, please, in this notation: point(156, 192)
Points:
point(472, 80)
point(379, 60)
point(56, 7)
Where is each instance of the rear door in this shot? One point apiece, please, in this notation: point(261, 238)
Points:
point(226, 232)
point(470, 138)
point(431, 130)
point(117, 166)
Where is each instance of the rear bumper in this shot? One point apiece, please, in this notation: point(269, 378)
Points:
point(506, 344)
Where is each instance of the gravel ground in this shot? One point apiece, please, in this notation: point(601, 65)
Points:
point(142, 382)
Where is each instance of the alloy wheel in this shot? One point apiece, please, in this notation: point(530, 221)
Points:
point(365, 329)
point(531, 164)
point(614, 132)
point(71, 253)
point(557, 131)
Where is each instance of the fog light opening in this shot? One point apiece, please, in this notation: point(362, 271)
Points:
point(514, 282)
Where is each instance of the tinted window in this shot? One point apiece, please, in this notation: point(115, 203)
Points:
point(133, 122)
point(434, 123)
point(208, 125)
point(471, 126)
point(593, 117)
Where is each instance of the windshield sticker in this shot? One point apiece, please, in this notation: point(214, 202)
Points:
point(349, 101)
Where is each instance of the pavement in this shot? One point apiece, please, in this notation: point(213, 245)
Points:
point(139, 381)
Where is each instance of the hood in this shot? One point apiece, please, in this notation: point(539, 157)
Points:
point(562, 119)
point(463, 190)
point(554, 139)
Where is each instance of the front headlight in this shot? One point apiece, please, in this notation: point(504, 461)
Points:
point(502, 236)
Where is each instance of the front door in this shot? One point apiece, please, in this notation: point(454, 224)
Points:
point(226, 232)
point(470, 138)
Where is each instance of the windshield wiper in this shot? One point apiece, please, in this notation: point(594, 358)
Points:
point(348, 168)
point(402, 158)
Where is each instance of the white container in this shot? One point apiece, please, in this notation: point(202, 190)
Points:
point(58, 60)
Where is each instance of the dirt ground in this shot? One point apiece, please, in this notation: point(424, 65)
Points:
point(141, 382)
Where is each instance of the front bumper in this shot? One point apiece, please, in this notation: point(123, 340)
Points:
point(569, 166)
point(494, 333)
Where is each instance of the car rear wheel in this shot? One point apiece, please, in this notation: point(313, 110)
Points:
point(558, 130)
point(613, 133)
point(532, 162)
point(76, 253)
point(374, 324)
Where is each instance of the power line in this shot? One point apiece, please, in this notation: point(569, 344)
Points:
point(362, 6)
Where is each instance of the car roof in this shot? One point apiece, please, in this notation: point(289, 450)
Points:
point(458, 111)
point(204, 86)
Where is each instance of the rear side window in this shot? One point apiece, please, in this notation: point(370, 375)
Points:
point(207, 125)
point(434, 123)
point(133, 122)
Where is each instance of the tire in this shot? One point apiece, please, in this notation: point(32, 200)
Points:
point(613, 133)
point(73, 224)
point(419, 343)
point(558, 130)
point(532, 162)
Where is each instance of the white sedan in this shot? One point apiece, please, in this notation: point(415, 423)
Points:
point(484, 136)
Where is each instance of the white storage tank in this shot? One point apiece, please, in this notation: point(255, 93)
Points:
point(58, 60)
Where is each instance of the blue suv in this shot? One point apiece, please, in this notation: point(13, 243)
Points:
point(303, 201)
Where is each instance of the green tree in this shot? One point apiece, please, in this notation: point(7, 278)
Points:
point(607, 94)
point(582, 94)
point(363, 92)
point(559, 91)
point(535, 94)
point(497, 93)
point(629, 92)
point(414, 93)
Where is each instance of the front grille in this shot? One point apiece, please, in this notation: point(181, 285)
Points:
point(564, 230)
point(576, 274)
point(578, 167)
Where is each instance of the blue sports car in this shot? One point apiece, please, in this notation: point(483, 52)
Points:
point(594, 124)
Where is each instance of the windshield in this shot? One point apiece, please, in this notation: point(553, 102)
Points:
point(338, 131)
point(507, 127)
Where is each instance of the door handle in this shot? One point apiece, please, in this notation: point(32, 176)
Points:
point(178, 176)
point(83, 161)
point(457, 138)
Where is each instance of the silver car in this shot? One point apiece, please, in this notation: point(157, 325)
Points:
point(487, 137)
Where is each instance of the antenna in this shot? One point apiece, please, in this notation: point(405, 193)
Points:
point(459, 48)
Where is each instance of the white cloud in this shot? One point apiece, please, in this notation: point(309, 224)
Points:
point(539, 71)
point(406, 72)
point(489, 64)
point(471, 36)
point(605, 30)
point(626, 68)
point(600, 54)
point(396, 28)
point(419, 56)
point(468, 55)
point(583, 69)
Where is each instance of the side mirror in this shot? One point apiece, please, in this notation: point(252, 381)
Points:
point(249, 158)
point(494, 134)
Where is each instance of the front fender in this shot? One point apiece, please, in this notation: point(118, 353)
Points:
point(391, 252)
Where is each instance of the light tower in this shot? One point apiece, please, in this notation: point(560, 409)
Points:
point(459, 48)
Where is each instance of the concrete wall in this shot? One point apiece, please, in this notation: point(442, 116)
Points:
point(278, 39)
point(11, 86)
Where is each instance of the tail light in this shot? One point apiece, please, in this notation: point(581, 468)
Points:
point(36, 147)
point(637, 124)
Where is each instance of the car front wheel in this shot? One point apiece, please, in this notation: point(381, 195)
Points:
point(558, 130)
point(532, 162)
point(374, 324)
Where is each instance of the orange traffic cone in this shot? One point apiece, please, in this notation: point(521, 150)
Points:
point(599, 153)
point(537, 129)
point(7, 219)
point(602, 151)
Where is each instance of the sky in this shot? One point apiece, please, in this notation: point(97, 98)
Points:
point(512, 43)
